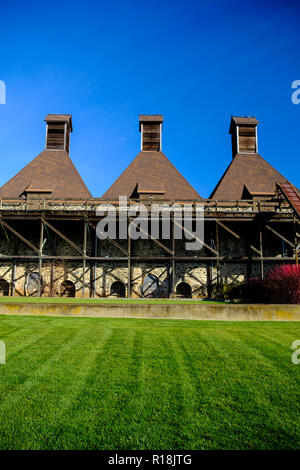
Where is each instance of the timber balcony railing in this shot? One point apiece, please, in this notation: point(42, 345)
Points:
point(211, 207)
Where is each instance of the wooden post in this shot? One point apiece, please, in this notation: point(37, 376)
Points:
point(84, 257)
point(13, 276)
point(248, 267)
point(218, 259)
point(296, 242)
point(52, 286)
point(173, 261)
point(40, 256)
point(52, 292)
point(261, 251)
point(128, 262)
point(14, 266)
point(208, 270)
point(95, 262)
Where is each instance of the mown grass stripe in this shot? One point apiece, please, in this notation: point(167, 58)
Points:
point(156, 384)
point(57, 391)
point(256, 381)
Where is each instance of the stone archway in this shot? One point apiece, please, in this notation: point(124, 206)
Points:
point(184, 290)
point(67, 289)
point(4, 287)
point(118, 289)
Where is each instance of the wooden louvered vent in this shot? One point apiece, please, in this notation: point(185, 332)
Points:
point(243, 131)
point(59, 127)
point(151, 137)
point(56, 136)
point(151, 127)
point(247, 139)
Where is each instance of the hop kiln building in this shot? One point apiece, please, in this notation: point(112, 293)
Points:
point(48, 219)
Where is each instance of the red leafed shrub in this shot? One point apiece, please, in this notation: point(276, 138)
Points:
point(282, 285)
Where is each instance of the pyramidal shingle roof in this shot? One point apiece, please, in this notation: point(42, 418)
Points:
point(51, 171)
point(247, 171)
point(152, 172)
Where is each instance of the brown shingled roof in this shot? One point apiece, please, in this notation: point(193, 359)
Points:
point(151, 118)
point(51, 170)
point(152, 172)
point(242, 120)
point(249, 170)
point(60, 118)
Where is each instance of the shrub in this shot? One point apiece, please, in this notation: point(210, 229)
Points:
point(283, 285)
point(232, 290)
point(252, 291)
point(256, 290)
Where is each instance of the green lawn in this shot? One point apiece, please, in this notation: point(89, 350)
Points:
point(89, 383)
point(100, 301)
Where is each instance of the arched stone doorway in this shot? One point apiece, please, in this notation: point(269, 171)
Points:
point(118, 289)
point(4, 287)
point(184, 290)
point(67, 289)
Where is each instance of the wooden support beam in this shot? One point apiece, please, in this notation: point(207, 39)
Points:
point(95, 252)
point(228, 229)
point(173, 264)
point(14, 267)
point(40, 257)
point(297, 240)
point(66, 239)
point(155, 241)
point(52, 277)
point(129, 271)
point(218, 260)
point(13, 277)
point(195, 238)
point(237, 236)
point(261, 252)
point(208, 273)
point(113, 242)
point(27, 242)
point(52, 286)
point(84, 257)
point(159, 259)
point(280, 236)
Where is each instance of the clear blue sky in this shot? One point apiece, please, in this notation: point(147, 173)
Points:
point(106, 62)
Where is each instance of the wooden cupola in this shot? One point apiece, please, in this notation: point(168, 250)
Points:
point(151, 132)
point(243, 132)
point(59, 128)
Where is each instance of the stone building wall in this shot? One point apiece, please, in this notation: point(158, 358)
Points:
point(201, 276)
